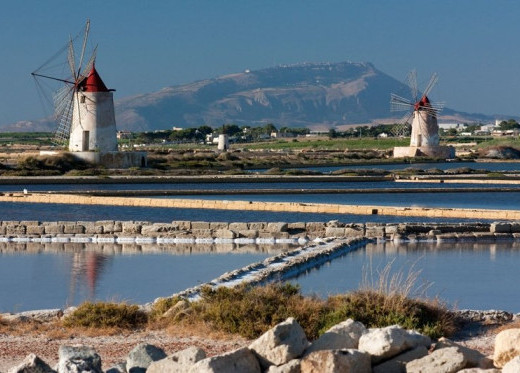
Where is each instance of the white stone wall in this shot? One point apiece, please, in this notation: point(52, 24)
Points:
point(93, 112)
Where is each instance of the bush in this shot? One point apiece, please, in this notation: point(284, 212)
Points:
point(106, 315)
point(250, 311)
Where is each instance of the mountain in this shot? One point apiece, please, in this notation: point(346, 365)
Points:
point(315, 95)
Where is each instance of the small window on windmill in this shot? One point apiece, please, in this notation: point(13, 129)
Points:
point(82, 99)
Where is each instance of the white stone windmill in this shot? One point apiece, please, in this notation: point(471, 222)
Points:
point(424, 138)
point(84, 106)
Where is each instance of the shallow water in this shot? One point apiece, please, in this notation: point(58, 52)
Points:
point(470, 275)
point(38, 276)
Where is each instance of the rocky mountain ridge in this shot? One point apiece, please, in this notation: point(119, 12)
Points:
point(315, 95)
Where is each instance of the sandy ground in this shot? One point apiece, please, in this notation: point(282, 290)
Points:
point(112, 349)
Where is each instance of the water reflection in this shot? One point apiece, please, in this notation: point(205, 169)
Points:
point(466, 275)
point(53, 275)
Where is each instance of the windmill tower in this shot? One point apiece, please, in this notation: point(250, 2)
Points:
point(424, 140)
point(93, 125)
point(84, 106)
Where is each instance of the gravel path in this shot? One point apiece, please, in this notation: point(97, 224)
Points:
point(112, 349)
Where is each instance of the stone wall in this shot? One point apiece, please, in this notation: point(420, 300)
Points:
point(110, 231)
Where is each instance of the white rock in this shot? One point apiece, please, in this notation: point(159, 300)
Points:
point(179, 362)
point(31, 364)
point(342, 336)
point(445, 360)
point(398, 363)
point(142, 355)
point(332, 361)
point(292, 366)
point(474, 358)
point(280, 344)
point(238, 361)
point(512, 366)
point(507, 346)
point(78, 358)
point(384, 343)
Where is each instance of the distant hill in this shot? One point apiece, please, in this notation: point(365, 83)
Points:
point(315, 95)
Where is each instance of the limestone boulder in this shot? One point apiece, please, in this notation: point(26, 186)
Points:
point(507, 346)
point(512, 366)
point(178, 362)
point(384, 343)
point(238, 361)
point(445, 360)
point(140, 358)
point(474, 358)
point(292, 366)
point(398, 363)
point(32, 364)
point(480, 370)
point(78, 358)
point(280, 344)
point(332, 361)
point(342, 336)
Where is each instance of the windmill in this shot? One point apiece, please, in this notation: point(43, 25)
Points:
point(425, 130)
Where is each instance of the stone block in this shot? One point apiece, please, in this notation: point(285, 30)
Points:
point(354, 232)
point(54, 229)
point(73, 229)
point(499, 227)
point(249, 233)
point(224, 233)
point(29, 222)
point(198, 225)
point(235, 227)
point(78, 358)
point(180, 361)
point(91, 228)
point(218, 225)
point(259, 226)
point(202, 233)
point(300, 225)
point(376, 231)
point(32, 230)
point(15, 229)
point(398, 363)
point(515, 227)
point(334, 232)
point(315, 227)
point(2, 230)
point(131, 228)
point(277, 227)
point(183, 225)
point(32, 363)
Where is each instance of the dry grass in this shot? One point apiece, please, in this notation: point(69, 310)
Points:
point(107, 316)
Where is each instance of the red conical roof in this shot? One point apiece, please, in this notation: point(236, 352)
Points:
point(424, 102)
point(93, 82)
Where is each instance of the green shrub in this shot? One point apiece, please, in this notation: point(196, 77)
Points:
point(106, 315)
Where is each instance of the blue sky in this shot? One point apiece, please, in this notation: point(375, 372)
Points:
point(147, 45)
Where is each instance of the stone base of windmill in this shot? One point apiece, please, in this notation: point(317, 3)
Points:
point(108, 159)
point(445, 152)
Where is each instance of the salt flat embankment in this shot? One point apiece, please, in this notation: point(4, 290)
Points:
point(326, 208)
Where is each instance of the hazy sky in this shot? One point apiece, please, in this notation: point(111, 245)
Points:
point(147, 45)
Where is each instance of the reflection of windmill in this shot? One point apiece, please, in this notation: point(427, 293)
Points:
point(83, 106)
point(425, 130)
point(87, 266)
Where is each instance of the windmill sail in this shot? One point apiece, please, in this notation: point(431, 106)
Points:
point(63, 71)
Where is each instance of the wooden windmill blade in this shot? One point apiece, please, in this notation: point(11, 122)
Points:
point(65, 70)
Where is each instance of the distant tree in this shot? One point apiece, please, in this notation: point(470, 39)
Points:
point(333, 133)
point(230, 129)
point(511, 124)
point(205, 130)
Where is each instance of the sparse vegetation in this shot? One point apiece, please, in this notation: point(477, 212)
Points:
point(106, 315)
